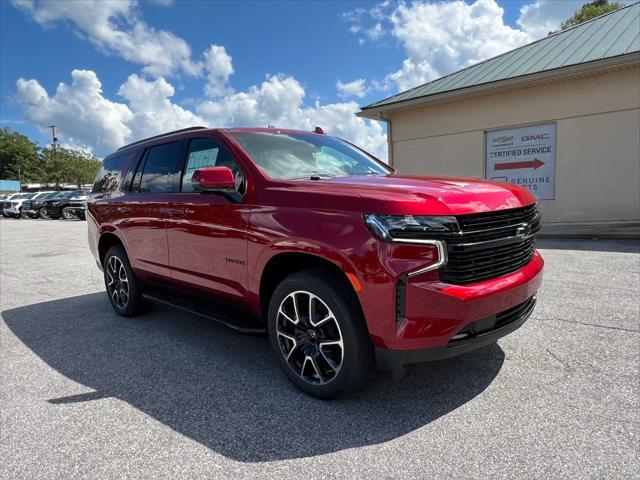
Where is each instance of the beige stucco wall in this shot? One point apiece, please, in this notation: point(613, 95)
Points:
point(598, 141)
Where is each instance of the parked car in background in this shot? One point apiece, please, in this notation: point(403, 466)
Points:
point(58, 206)
point(78, 205)
point(28, 204)
point(341, 260)
point(5, 203)
point(32, 206)
point(13, 207)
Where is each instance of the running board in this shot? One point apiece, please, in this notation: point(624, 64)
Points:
point(233, 318)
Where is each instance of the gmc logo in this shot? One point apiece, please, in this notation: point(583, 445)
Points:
point(542, 136)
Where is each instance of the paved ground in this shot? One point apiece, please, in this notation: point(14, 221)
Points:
point(87, 394)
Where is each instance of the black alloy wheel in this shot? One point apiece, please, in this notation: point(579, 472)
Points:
point(42, 213)
point(309, 337)
point(123, 288)
point(318, 333)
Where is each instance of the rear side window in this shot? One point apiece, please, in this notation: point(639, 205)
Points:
point(106, 180)
point(155, 171)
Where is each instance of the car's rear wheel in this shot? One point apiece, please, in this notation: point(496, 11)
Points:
point(67, 213)
point(318, 334)
point(42, 213)
point(123, 288)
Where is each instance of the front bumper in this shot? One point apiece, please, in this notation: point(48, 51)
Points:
point(13, 210)
point(78, 210)
point(475, 335)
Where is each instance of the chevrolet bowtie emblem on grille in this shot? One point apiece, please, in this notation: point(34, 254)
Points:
point(523, 231)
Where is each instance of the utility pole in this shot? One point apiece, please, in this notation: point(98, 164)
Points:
point(54, 141)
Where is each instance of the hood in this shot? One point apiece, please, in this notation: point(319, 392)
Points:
point(413, 195)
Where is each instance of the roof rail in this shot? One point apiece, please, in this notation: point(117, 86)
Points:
point(160, 136)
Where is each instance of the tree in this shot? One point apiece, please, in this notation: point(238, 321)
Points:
point(18, 156)
point(81, 167)
point(590, 10)
point(66, 165)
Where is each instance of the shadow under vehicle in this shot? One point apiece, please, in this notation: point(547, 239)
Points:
point(223, 390)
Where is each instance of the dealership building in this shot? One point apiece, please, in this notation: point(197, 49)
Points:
point(559, 116)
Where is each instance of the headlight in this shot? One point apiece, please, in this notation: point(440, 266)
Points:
point(394, 227)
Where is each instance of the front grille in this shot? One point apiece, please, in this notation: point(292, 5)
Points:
point(490, 244)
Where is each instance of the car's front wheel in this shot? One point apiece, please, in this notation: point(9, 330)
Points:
point(67, 213)
point(123, 288)
point(318, 334)
point(42, 213)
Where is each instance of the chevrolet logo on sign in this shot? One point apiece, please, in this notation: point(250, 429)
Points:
point(502, 139)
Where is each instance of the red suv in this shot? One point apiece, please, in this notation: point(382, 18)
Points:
point(344, 262)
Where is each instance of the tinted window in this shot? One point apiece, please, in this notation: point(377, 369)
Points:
point(155, 172)
point(106, 180)
point(289, 156)
point(206, 153)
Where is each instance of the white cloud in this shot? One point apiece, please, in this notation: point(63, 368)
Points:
point(357, 88)
point(442, 37)
point(153, 111)
point(219, 68)
point(544, 16)
point(114, 26)
point(279, 100)
point(358, 17)
point(85, 117)
point(375, 32)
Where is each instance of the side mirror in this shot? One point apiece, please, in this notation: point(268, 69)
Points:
point(214, 179)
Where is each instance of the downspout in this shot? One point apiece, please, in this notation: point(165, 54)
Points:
point(387, 120)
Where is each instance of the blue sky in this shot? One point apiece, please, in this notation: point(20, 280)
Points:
point(146, 67)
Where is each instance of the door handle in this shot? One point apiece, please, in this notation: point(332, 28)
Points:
point(177, 212)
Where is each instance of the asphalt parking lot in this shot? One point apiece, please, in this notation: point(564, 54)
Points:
point(87, 394)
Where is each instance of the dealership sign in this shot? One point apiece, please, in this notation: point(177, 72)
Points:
point(525, 157)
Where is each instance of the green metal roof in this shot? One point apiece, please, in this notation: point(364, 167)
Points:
point(610, 35)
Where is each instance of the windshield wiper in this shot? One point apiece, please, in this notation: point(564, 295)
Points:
point(313, 176)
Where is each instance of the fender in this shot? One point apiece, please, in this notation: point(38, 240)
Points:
point(110, 229)
point(316, 249)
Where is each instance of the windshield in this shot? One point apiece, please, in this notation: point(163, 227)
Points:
point(66, 194)
point(300, 155)
point(23, 196)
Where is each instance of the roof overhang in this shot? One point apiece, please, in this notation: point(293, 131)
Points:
point(620, 62)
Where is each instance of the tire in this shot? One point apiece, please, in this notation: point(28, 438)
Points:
point(326, 371)
point(118, 277)
point(42, 213)
point(23, 214)
point(67, 213)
